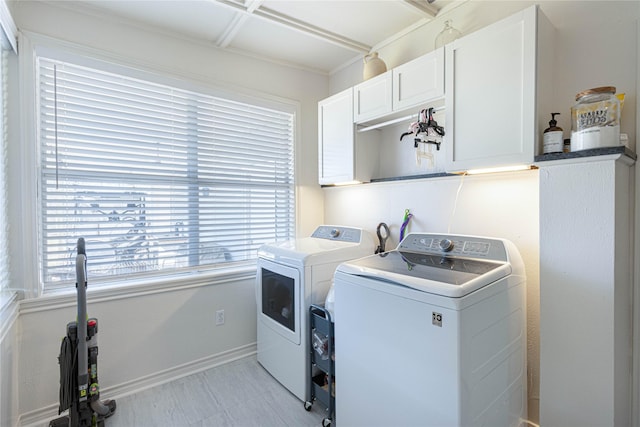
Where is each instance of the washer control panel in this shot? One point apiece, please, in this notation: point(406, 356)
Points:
point(342, 234)
point(466, 246)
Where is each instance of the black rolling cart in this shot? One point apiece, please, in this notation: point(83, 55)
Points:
point(321, 361)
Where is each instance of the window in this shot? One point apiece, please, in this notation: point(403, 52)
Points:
point(157, 179)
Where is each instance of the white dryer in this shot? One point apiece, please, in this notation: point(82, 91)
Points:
point(291, 276)
point(432, 333)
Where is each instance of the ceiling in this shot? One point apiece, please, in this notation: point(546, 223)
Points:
point(320, 35)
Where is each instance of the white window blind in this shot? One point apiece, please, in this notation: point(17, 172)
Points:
point(157, 179)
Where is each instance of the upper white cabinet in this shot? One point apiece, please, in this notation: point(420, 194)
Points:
point(494, 103)
point(336, 138)
point(342, 157)
point(496, 84)
point(372, 98)
point(419, 81)
point(411, 85)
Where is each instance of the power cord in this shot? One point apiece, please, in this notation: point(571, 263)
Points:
point(455, 203)
point(68, 379)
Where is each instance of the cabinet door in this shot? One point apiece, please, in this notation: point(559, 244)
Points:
point(372, 98)
point(419, 81)
point(336, 138)
point(491, 95)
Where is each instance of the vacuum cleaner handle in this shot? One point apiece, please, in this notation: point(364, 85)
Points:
point(81, 265)
point(83, 351)
point(81, 247)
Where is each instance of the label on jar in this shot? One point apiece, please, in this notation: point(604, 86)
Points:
point(596, 114)
point(552, 142)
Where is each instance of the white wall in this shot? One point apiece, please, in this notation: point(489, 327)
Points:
point(152, 335)
point(596, 45)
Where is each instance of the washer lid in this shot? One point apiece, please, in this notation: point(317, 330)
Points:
point(437, 274)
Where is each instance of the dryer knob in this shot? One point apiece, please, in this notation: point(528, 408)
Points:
point(446, 245)
point(335, 232)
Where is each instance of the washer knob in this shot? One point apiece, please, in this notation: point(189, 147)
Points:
point(446, 245)
point(335, 232)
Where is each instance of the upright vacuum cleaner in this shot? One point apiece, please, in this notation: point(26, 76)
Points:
point(79, 390)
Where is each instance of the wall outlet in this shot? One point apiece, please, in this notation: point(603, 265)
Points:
point(219, 317)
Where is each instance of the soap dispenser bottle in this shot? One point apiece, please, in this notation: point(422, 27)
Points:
point(552, 139)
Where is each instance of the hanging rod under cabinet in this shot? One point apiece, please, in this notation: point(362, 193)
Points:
point(396, 120)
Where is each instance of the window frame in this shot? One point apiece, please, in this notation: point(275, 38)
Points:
point(38, 45)
point(5, 277)
point(8, 47)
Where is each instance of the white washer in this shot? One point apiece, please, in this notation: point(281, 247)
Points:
point(432, 333)
point(291, 276)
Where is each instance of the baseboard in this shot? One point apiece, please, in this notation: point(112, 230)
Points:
point(40, 417)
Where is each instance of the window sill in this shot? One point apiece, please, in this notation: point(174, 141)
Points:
point(170, 283)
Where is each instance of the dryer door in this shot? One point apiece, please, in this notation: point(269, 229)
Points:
point(279, 294)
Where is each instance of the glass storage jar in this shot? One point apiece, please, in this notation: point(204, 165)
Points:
point(595, 119)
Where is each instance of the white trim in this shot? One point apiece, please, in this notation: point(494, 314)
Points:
point(180, 371)
point(41, 415)
point(67, 297)
point(25, 264)
point(8, 26)
point(291, 23)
